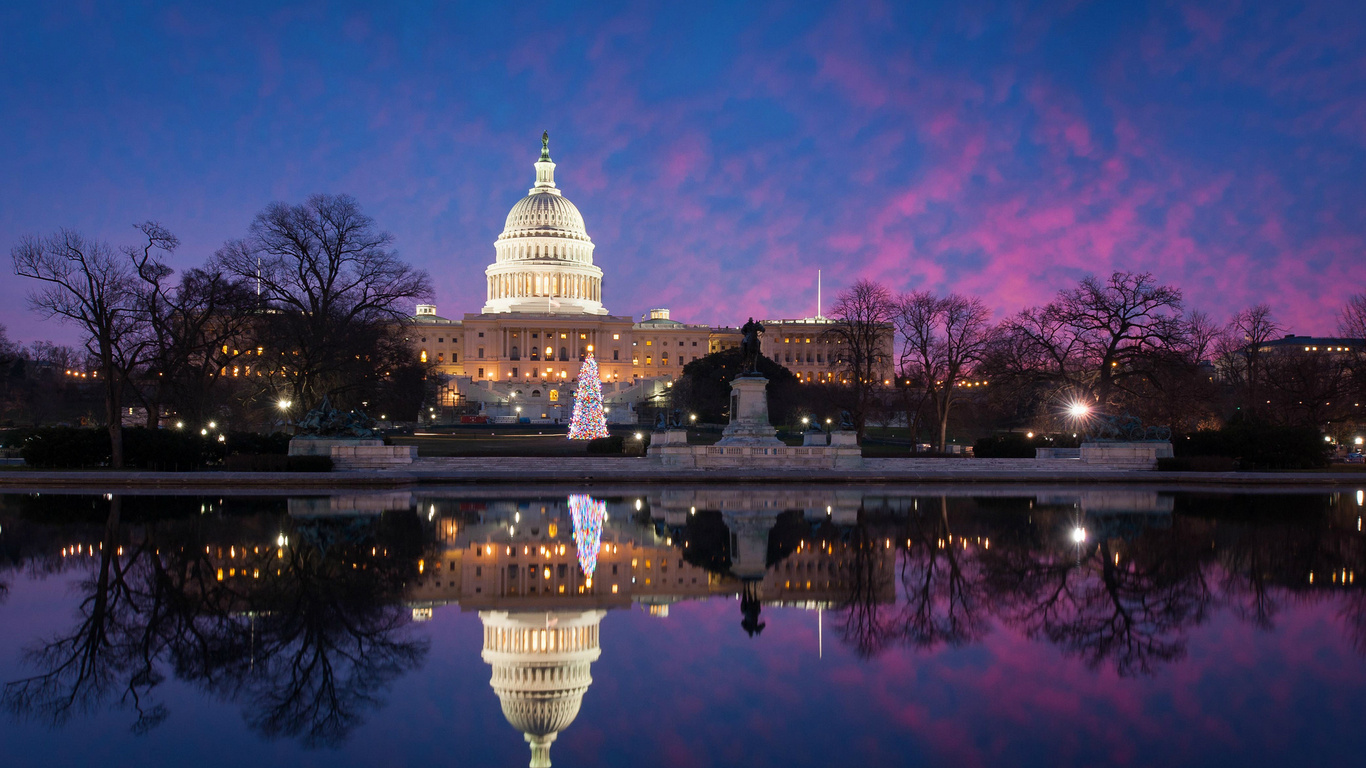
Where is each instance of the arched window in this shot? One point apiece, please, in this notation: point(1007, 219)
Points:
point(564, 353)
point(515, 354)
point(535, 353)
point(535, 393)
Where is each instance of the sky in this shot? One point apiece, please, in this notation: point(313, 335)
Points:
point(721, 153)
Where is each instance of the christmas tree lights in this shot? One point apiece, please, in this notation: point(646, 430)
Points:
point(587, 514)
point(588, 420)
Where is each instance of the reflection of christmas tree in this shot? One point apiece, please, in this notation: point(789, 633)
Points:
point(587, 513)
point(588, 421)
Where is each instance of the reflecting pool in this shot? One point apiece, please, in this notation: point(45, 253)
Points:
point(684, 626)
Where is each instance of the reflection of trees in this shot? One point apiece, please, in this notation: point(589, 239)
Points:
point(1124, 597)
point(306, 643)
point(1132, 610)
point(942, 585)
point(940, 589)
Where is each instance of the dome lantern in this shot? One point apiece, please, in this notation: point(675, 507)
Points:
point(544, 257)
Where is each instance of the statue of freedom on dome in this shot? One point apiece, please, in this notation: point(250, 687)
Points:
point(749, 347)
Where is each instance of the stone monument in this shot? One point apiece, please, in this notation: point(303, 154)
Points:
point(348, 437)
point(750, 440)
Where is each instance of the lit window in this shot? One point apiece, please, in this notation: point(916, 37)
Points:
point(615, 337)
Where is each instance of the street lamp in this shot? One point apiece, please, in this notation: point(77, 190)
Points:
point(284, 405)
point(1078, 410)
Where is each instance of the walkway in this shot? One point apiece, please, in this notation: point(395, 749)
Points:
point(600, 470)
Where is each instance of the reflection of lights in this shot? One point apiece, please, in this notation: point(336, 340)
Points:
point(1078, 410)
point(1078, 534)
point(638, 505)
point(280, 540)
point(1360, 499)
point(284, 405)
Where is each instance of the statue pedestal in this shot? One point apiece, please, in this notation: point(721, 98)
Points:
point(1126, 455)
point(749, 414)
point(751, 442)
point(354, 452)
point(322, 446)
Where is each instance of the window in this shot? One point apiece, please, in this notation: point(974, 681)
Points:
point(664, 359)
point(648, 342)
point(424, 341)
point(440, 340)
point(616, 354)
point(514, 355)
point(478, 570)
point(481, 352)
point(649, 360)
point(481, 373)
point(514, 370)
point(615, 337)
point(694, 343)
point(535, 335)
point(564, 353)
point(583, 336)
point(535, 353)
point(423, 356)
point(680, 343)
point(455, 357)
point(481, 334)
point(535, 392)
point(441, 357)
point(554, 395)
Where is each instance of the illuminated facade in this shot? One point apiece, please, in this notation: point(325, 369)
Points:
point(544, 310)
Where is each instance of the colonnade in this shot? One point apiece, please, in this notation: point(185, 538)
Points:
point(533, 284)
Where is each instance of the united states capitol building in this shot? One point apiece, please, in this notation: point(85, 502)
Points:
point(545, 310)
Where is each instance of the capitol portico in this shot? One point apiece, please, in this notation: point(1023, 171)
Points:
point(544, 312)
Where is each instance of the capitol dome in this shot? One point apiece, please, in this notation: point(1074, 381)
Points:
point(544, 257)
point(541, 670)
point(548, 215)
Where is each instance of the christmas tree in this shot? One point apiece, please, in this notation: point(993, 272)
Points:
point(588, 421)
point(587, 514)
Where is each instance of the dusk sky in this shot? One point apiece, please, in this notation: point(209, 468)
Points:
point(721, 153)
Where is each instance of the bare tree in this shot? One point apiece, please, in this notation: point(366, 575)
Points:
point(334, 290)
point(862, 331)
point(1352, 324)
point(1243, 353)
point(190, 328)
point(941, 339)
point(1100, 340)
point(89, 285)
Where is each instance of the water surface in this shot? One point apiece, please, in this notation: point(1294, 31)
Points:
point(683, 626)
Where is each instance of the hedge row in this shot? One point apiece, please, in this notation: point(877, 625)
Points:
point(1256, 446)
point(155, 449)
point(274, 462)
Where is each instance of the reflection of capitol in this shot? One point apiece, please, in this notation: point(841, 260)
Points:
point(521, 565)
point(541, 670)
